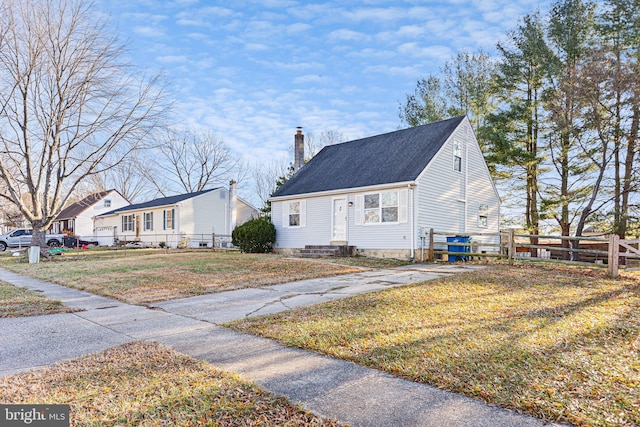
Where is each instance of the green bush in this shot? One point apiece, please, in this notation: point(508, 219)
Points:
point(255, 236)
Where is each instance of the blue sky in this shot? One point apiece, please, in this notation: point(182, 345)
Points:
point(251, 71)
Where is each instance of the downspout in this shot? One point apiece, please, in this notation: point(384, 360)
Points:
point(466, 186)
point(413, 219)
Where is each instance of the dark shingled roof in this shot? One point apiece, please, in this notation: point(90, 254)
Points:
point(398, 156)
point(163, 201)
point(73, 210)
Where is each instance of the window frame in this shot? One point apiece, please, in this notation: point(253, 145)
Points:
point(147, 221)
point(128, 223)
point(457, 155)
point(378, 212)
point(299, 213)
point(169, 219)
point(483, 215)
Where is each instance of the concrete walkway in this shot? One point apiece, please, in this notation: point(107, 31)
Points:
point(332, 388)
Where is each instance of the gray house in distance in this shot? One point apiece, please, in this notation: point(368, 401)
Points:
point(382, 193)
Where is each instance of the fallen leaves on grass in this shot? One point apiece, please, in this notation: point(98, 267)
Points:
point(18, 302)
point(148, 384)
point(159, 276)
point(556, 343)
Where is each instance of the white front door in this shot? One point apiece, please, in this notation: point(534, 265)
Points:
point(339, 220)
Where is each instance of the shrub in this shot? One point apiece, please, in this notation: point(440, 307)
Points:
point(255, 236)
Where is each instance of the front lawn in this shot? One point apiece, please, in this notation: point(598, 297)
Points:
point(148, 384)
point(18, 302)
point(560, 344)
point(152, 276)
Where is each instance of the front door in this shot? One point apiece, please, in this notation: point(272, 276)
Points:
point(339, 220)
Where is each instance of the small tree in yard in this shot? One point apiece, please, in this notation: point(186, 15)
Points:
point(70, 108)
point(255, 236)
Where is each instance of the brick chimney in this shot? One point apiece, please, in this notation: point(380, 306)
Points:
point(298, 158)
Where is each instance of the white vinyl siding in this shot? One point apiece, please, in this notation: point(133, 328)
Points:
point(318, 225)
point(448, 200)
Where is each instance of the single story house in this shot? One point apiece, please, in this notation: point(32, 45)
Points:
point(77, 218)
point(185, 220)
point(382, 194)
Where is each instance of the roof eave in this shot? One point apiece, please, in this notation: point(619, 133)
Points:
point(343, 191)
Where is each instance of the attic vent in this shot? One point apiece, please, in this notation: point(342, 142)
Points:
point(223, 195)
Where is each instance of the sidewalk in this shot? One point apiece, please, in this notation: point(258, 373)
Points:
point(332, 388)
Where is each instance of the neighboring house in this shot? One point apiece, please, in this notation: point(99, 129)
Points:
point(77, 218)
point(187, 220)
point(383, 193)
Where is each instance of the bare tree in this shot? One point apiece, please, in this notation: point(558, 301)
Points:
point(314, 143)
point(190, 161)
point(67, 100)
point(265, 177)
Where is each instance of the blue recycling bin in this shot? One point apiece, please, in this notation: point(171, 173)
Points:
point(457, 248)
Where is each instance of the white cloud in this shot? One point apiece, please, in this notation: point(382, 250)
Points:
point(415, 50)
point(147, 31)
point(172, 59)
point(347, 35)
point(311, 78)
point(298, 28)
point(391, 70)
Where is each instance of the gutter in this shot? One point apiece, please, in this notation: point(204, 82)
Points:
point(341, 191)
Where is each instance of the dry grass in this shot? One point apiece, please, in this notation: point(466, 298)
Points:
point(148, 384)
point(561, 344)
point(152, 276)
point(18, 302)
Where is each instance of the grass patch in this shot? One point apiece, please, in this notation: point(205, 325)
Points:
point(560, 344)
point(19, 302)
point(148, 384)
point(154, 275)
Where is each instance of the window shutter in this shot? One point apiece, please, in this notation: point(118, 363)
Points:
point(359, 209)
point(402, 206)
point(285, 214)
point(122, 218)
point(151, 220)
point(303, 213)
point(173, 219)
point(164, 220)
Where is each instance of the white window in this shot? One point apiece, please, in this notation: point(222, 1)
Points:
point(294, 213)
point(457, 155)
point(128, 223)
point(169, 222)
point(483, 215)
point(382, 207)
point(107, 203)
point(148, 221)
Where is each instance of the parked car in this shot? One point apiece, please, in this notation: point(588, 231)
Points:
point(21, 237)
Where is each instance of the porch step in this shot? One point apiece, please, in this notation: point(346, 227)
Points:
point(327, 250)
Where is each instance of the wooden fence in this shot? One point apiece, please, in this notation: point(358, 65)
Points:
point(610, 252)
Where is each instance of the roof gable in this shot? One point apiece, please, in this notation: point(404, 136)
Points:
point(73, 210)
point(163, 201)
point(398, 156)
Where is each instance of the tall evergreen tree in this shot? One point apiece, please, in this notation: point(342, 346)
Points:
point(514, 130)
